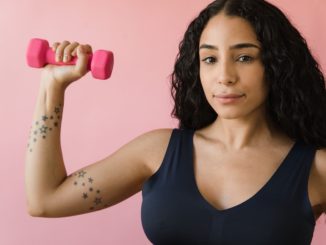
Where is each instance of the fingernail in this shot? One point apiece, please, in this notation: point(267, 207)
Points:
point(65, 58)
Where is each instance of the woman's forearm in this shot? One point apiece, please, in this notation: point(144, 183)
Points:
point(45, 170)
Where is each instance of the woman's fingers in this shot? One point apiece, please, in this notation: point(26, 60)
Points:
point(87, 47)
point(67, 53)
point(59, 51)
point(54, 46)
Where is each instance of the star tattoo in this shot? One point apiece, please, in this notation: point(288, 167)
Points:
point(85, 196)
point(57, 110)
point(43, 129)
point(81, 174)
point(97, 200)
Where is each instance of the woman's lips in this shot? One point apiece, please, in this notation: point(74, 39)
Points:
point(228, 98)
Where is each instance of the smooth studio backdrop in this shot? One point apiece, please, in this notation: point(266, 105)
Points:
point(100, 116)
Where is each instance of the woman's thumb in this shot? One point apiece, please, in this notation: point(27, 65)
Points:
point(82, 60)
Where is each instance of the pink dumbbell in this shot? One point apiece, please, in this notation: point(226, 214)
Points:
point(39, 54)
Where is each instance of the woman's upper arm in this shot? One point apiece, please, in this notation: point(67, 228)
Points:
point(111, 180)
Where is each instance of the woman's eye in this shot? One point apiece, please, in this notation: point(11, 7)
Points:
point(245, 59)
point(209, 60)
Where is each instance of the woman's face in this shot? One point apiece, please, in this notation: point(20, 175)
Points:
point(231, 70)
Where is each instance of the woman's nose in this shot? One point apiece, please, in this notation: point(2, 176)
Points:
point(226, 73)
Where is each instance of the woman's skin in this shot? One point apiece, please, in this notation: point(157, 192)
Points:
point(240, 150)
point(230, 63)
point(233, 157)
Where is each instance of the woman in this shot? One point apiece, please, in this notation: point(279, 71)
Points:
point(247, 164)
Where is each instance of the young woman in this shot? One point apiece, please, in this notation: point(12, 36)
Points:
point(247, 164)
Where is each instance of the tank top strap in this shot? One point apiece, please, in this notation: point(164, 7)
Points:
point(290, 187)
point(292, 179)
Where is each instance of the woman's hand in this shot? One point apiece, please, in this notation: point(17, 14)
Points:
point(63, 75)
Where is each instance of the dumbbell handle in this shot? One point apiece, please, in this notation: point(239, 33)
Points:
point(50, 58)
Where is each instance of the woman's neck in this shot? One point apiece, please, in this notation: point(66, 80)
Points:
point(240, 133)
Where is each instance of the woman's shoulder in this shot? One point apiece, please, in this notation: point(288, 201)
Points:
point(156, 142)
point(157, 136)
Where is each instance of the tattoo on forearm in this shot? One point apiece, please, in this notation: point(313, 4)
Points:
point(42, 127)
point(40, 130)
point(89, 192)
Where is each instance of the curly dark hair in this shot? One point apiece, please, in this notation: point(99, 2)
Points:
point(296, 102)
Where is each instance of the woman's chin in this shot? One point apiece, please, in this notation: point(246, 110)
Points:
point(234, 114)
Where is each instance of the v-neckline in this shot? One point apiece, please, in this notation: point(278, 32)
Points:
point(248, 200)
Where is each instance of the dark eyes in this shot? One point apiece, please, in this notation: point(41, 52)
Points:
point(242, 59)
point(245, 58)
point(209, 60)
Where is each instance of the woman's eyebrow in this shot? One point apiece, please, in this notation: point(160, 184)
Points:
point(235, 46)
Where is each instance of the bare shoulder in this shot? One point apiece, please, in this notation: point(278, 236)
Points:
point(320, 168)
point(155, 142)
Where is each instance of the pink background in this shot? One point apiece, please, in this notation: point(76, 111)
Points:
point(100, 116)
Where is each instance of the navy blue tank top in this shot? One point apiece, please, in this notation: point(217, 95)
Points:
point(173, 211)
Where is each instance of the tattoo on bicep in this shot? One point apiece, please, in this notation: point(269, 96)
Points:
point(42, 127)
point(89, 193)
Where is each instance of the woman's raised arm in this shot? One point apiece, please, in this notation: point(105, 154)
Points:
point(50, 192)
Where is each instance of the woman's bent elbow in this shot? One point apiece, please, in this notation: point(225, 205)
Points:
point(36, 212)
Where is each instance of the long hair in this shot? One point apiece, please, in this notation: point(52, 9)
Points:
point(296, 102)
